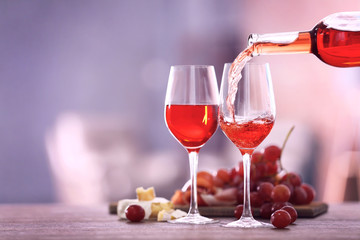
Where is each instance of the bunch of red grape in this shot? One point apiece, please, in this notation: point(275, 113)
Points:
point(276, 186)
point(274, 191)
point(268, 183)
point(271, 188)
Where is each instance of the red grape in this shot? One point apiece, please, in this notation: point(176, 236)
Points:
point(253, 186)
point(310, 191)
point(265, 210)
point(135, 213)
point(292, 178)
point(292, 211)
point(260, 170)
point(271, 168)
point(264, 190)
point(272, 180)
point(253, 174)
point(299, 197)
point(255, 199)
point(256, 157)
point(278, 205)
point(280, 193)
point(238, 211)
point(272, 153)
point(290, 186)
point(280, 219)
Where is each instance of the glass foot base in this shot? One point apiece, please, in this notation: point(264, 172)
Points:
point(194, 219)
point(248, 223)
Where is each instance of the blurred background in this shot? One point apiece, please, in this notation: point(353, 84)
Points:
point(82, 88)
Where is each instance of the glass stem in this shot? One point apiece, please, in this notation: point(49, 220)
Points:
point(247, 207)
point(193, 161)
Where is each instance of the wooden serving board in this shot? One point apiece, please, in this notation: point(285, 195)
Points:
point(304, 211)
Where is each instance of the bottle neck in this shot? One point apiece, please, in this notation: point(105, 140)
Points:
point(280, 43)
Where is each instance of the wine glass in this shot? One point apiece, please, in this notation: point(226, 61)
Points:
point(246, 116)
point(191, 115)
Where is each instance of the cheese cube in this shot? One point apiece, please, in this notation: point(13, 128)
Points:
point(156, 207)
point(145, 194)
point(178, 214)
point(164, 215)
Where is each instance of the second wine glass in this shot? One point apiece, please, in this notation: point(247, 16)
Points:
point(246, 116)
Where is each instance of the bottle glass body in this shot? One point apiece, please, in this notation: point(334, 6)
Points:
point(335, 40)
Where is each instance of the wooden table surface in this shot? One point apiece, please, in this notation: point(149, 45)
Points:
point(342, 221)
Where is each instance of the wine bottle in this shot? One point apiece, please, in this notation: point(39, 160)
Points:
point(335, 40)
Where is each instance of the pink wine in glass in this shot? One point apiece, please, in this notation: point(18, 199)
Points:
point(191, 125)
point(247, 135)
point(191, 107)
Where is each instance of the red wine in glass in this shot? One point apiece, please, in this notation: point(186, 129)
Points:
point(192, 125)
